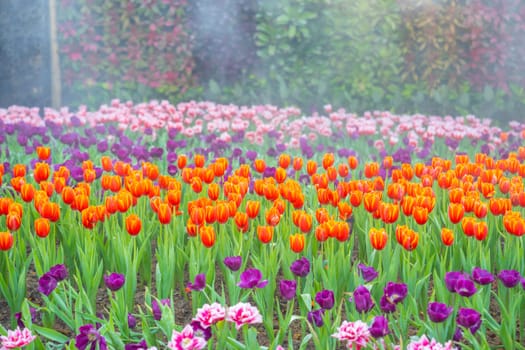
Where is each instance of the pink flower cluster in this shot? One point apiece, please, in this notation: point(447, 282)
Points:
point(186, 340)
point(424, 343)
point(355, 334)
point(16, 339)
point(286, 125)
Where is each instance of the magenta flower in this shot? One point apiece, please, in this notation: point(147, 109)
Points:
point(233, 262)
point(451, 279)
point(251, 278)
point(137, 346)
point(208, 314)
point(379, 327)
point(481, 276)
point(288, 288)
point(509, 278)
point(354, 334)
point(47, 284)
point(59, 272)
point(186, 340)
point(89, 335)
point(243, 313)
point(17, 338)
point(199, 284)
point(465, 287)
point(114, 281)
point(325, 299)
point(438, 312)
point(300, 267)
point(469, 318)
point(395, 292)
point(316, 317)
point(367, 272)
point(362, 299)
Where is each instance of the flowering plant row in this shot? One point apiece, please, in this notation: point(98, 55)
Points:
point(286, 250)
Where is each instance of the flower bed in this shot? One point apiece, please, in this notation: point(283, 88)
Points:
point(271, 228)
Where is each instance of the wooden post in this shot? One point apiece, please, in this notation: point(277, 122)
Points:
point(56, 89)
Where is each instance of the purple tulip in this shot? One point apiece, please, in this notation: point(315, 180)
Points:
point(367, 272)
point(465, 287)
point(114, 281)
point(155, 308)
point(438, 312)
point(300, 267)
point(316, 317)
point(481, 276)
point(288, 288)
point(509, 278)
point(47, 284)
point(20, 322)
point(233, 262)
point(395, 292)
point(386, 306)
point(132, 321)
point(199, 284)
point(59, 272)
point(469, 318)
point(523, 282)
point(137, 346)
point(325, 299)
point(379, 327)
point(362, 299)
point(458, 335)
point(451, 279)
point(251, 278)
point(90, 335)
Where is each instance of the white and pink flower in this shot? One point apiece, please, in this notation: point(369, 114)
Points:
point(17, 338)
point(424, 343)
point(243, 313)
point(208, 314)
point(354, 333)
point(186, 340)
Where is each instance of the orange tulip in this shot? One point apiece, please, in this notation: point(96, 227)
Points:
point(455, 195)
point(356, 198)
point(207, 234)
point(133, 224)
point(41, 172)
point(252, 209)
point(197, 216)
point(284, 161)
point(106, 163)
point(322, 216)
point(43, 152)
point(378, 238)
point(273, 216)
point(487, 189)
point(27, 192)
point(342, 170)
point(420, 214)
point(241, 221)
point(191, 228)
point(514, 224)
point(4, 205)
point(467, 224)
point(304, 222)
point(210, 213)
point(297, 163)
point(196, 184)
point(280, 175)
point(409, 240)
point(13, 221)
point(328, 160)
point(480, 230)
point(6, 241)
point(223, 213)
point(213, 191)
point(371, 169)
point(455, 212)
point(42, 227)
point(199, 160)
point(321, 233)
point(270, 192)
point(265, 233)
point(58, 183)
point(447, 236)
point(89, 217)
point(388, 212)
point(395, 191)
point(164, 213)
point(352, 162)
point(371, 201)
point(345, 210)
point(259, 165)
point(311, 167)
point(19, 170)
point(480, 209)
point(297, 242)
point(181, 161)
point(342, 231)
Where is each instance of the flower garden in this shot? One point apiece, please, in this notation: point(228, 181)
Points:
point(206, 226)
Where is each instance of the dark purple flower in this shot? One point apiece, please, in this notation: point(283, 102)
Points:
point(199, 284)
point(362, 299)
point(288, 289)
point(481, 276)
point(379, 327)
point(18, 317)
point(200, 331)
point(465, 287)
point(395, 292)
point(251, 278)
point(59, 272)
point(155, 308)
point(132, 321)
point(523, 282)
point(47, 284)
point(316, 317)
point(114, 281)
point(458, 335)
point(251, 155)
point(451, 279)
point(172, 169)
point(386, 306)
point(438, 312)
point(367, 272)
point(509, 278)
point(325, 299)
point(469, 318)
point(137, 346)
point(300, 267)
point(156, 152)
point(88, 334)
point(233, 262)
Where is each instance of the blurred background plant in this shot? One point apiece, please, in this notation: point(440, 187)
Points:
point(439, 57)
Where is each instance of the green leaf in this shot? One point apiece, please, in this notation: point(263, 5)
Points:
point(51, 334)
